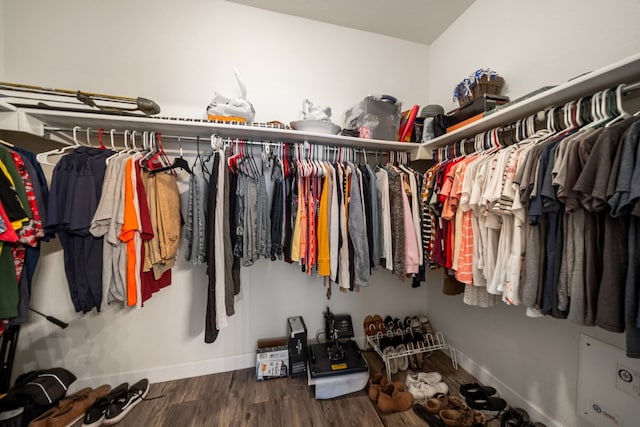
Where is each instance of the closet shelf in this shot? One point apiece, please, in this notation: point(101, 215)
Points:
point(624, 71)
point(204, 129)
point(7, 107)
point(431, 343)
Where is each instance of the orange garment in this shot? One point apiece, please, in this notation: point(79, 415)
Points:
point(130, 228)
point(464, 271)
point(295, 239)
point(324, 264)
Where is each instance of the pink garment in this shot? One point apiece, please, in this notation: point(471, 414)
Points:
point(411, 252)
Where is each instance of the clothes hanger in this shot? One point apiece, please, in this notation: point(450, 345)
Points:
point(8, 144)
point(622, 114)
point(89, 137)
point(44, 157)
point(100, 142)
point(178, 163)
point(113, 147)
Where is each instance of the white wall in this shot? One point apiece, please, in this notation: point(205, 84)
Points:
point(531, 44)
point(2, 31)
point(178, 53)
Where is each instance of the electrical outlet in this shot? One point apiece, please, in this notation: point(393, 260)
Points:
point(628, 380)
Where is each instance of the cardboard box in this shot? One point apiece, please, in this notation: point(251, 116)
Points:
point(272, 358)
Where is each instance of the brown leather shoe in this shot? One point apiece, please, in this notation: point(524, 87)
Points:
point(374, 386)
point(43, 419)
point(76, 408)
point(393, 400)
point(458, 417)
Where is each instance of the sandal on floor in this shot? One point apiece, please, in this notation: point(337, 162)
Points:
point(413, 361)
point(379, 324)
point(441, 401)
point(367, 326)
point(403, 362)
point(419, 345)
point(388, 352)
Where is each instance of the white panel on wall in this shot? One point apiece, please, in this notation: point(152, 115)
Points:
point(608, 385)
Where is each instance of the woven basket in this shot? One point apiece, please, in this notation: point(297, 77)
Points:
point(485, 85)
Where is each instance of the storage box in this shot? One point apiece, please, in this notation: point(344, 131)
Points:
point(272, 358)
point(375, 118)
point(479, 105)
point(297, 346)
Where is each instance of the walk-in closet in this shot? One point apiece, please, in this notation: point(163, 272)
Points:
point(184, 192)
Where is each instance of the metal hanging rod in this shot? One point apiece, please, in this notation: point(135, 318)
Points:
point(204, 139)
point(630, 87)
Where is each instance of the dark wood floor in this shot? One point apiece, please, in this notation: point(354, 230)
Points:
point(236, 399)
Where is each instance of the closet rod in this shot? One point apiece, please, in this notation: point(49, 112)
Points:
point(204, 139)
point(630, 87)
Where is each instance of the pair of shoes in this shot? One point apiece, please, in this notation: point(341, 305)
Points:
point(378, 381)
point(462, 417)
point(424, 385)
point(424, 391)
point(431, 419)
point(393, 399)
point(125, 402)
point(475, 388)
point(423, 377)
point(440, 402)
point(373, 325)
point(96, 414)
point(480, 397)
point(70, 409)
point(517, 417)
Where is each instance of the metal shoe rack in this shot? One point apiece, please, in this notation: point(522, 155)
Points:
point(431, 343)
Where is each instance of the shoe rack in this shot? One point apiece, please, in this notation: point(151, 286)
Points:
point(431, 342)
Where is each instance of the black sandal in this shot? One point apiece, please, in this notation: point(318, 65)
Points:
point(474, 388)
point(514, 418)
point(431, 419)
point(481, 402)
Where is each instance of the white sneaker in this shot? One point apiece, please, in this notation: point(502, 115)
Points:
point(421, 391)
point(441, 387)
point(430, 378)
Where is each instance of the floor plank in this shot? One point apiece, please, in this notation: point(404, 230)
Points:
point(237, 399)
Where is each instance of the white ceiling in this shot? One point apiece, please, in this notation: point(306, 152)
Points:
point(421, 21)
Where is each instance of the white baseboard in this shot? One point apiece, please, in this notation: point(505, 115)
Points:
point(170, 373)
point(486, 377)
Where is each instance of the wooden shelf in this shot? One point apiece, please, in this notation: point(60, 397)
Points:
point(204, 129)
point(625, 71)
